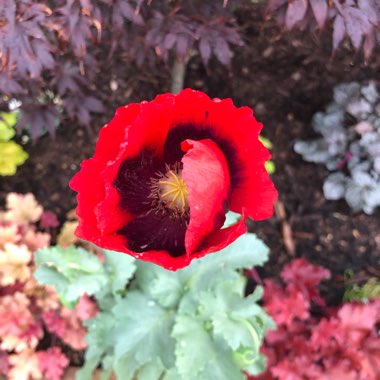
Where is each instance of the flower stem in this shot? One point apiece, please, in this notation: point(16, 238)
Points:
point(178, 74)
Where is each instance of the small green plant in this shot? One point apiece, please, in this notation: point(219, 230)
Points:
point(11, 153)
point(153, 324)
point(270, 166)
point(370, 290)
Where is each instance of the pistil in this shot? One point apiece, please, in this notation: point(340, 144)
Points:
point(173, 191)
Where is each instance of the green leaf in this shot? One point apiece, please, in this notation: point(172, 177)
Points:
point(7, 122)
point(85, 372)
point(125, 367)
point(172, 374)
point(266, 142)
point(223, 367)
point(50, 276)
point(107, 367)
point(245, 252)
point(120, 269)
point(100, 334)
point(11, 156)
point(82, 270)
point(231, 219)
point(165, 287)
point(144, 329)
point(69, 260)
point(222, 308)
point(151, 371)
point(270, 167)
point(194, 347)
point(258, 365)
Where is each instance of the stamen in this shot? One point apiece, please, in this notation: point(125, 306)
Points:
point(169, 191)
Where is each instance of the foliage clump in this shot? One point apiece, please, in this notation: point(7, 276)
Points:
point(28, 309)
point(349, 146)
point(153, 324)
point(313, 341)
point(357, 20)
point(52, 52)
point(11, 153)
point(370, 289)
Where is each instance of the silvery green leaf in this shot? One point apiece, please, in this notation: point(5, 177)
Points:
point(362, 178)
point(144, 329)
point(313, 151)
point(373, 198)
point(151, 371)
point(354, 196)
point(374, 148)
point(332, 164)
point(325, 123)
point(334, 186)
point(107, 367)
point(370, 92)
point(231, 219)
point(86, 371)
point(337, 141)
point(74, 271)
point(120, 268)
point(223, 367)
point(125, 367)
point(172, 374)
point(344, 92)
point(369, 138)
point(377, 109)
point(359, 108)
point(167, 288)
point(257, 366)
point(245, 252)
point(194, 347)
point(163, 286)
point(376, 165)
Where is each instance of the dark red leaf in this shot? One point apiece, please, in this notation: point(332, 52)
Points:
point(320, 9)
point(295, 12)
point(129, 12)
point(357, 25)
point(223, 51)
point(273, 5)
point(369, 45)
point(170, 40)
point(339, 30)
point(205, 49)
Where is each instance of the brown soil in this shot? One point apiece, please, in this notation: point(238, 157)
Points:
point(286, 78)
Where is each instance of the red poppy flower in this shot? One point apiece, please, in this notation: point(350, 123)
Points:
point(164, 174)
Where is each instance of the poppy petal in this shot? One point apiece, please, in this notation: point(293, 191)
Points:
point(147, 133)
point(88, 197)
point(236, 132)
point(207, 178)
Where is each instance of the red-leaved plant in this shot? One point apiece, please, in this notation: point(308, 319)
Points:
point(27, 309)
point(165, 173)
point(313, 342)
point(357, 19)
point(51, 52)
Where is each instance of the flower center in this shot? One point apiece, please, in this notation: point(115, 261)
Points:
point(173, 191)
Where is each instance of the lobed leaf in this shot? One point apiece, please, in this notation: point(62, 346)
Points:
point(120, 269)
point(12, 155)
point(144, 330)
point(74, 271)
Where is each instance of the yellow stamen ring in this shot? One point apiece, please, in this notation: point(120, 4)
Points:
point(173, 191)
